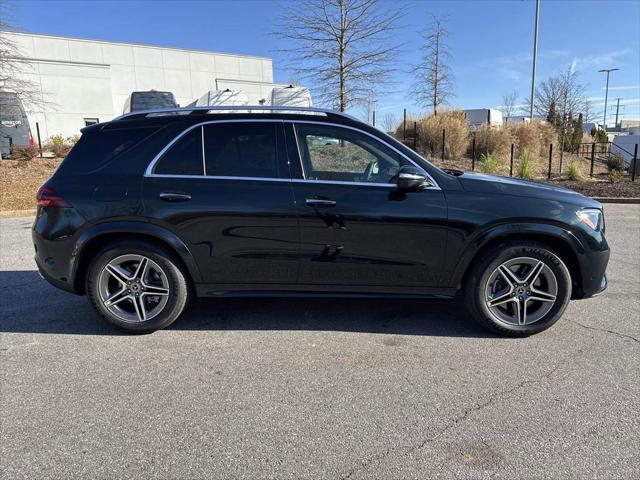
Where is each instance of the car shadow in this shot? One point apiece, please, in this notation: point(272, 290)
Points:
point(30, 305)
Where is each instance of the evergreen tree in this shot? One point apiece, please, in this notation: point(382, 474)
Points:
point(551, 115)
point(568, 133)
point(578, 131)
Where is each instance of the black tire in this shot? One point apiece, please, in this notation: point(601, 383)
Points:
point(475, 285)
point(178, 288)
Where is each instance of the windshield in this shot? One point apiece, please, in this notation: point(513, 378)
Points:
point(152, 100)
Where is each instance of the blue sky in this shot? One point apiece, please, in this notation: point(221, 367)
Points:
point(491, 41)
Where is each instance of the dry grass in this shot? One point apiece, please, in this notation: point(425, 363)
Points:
point(20, 180)
point(493, 141)
point(456, 134)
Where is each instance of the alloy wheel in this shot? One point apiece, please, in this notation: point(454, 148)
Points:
point(133, 287)
point(521, 291)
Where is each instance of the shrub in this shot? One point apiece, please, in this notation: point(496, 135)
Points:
point(615, 162)
point(574, 172)
point(494, 141)
point(56, 140)
point(615, 176)
point(72, 140)
point(58, 145)
point(456, 134)
point(23, 153)
point(526, 166)
point(489, 163)
point(534, 137)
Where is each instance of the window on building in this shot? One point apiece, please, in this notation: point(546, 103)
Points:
point(90, 121)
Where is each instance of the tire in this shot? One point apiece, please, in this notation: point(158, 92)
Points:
point(495, 298)
point(146, 295)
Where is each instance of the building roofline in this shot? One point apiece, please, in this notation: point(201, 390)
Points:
point(144, 45)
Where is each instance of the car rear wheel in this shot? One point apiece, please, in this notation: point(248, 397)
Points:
point(137, 286)
point(518, 289)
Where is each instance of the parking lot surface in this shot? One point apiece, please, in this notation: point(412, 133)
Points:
point(299, 388)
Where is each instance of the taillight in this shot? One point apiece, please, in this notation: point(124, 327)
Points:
point(31, 142)
point(47, 197)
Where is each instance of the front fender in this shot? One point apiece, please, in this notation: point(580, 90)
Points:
point(124, 227)
point(483, 237)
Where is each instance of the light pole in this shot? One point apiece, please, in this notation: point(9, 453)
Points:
point(606, 96)
point(535, 57)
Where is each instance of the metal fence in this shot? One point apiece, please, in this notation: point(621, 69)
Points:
point(597, 153)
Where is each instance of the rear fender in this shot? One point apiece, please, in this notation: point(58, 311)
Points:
point(124, 228)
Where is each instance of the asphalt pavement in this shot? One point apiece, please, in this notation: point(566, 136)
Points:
point(299, 388)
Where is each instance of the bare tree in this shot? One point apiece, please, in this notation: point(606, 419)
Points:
point(389, 122)
point(509, 106)
point(367, 106)
point(590, 113)
point(434, 82)
point(564, 91)
point(14, 69)
point(342, 47)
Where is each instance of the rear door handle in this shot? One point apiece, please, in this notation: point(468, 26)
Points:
point(175, 197)
point(320, 202)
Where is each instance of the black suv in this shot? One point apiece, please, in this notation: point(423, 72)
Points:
point(155, 207)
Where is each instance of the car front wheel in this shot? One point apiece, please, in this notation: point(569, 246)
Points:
point(137, 286)
point(518, 289)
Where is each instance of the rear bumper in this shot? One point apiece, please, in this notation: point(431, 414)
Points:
point(56, 282)
point(54, 246)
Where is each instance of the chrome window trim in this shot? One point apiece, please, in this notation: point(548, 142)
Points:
point(154, 161)
point(149, 171)
point(204, 158)
point(269, 179)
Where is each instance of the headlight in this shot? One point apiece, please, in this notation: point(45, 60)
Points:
point(591, 217)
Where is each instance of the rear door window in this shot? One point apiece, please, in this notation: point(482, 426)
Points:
point(242, 150)
point(184, 157)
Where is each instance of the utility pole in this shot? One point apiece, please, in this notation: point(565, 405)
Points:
point(606, 96)
point(535, 57)
point(617, 111)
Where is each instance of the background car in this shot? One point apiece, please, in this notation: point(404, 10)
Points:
point(14, 124)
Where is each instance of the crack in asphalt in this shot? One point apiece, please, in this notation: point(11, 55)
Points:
point(452, 424)
point(622, 335)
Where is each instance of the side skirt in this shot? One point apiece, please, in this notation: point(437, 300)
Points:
point(331, 291)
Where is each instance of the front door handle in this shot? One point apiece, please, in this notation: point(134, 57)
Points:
point(320, 202)
point(175, 197)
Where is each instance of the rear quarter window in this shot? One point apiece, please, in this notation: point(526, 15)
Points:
point(97, 148)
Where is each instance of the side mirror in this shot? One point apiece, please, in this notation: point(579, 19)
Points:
point(412, 178)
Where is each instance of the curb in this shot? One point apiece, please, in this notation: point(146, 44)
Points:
point(18, 213)
point(616, 200)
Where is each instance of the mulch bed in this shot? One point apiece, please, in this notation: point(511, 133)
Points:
point(602, 187)
point(20, 180)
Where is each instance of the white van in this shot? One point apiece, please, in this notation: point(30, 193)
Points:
point(291, 97)
point(214, 98)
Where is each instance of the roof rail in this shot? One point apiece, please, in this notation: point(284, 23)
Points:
point(226, 108)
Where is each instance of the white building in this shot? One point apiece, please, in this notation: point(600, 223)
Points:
point(83, 81)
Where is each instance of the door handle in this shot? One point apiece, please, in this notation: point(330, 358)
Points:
point(320, 202)
point(175, 197)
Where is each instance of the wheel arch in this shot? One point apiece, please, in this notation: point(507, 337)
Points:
point(558, 239)
point(97, 236)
